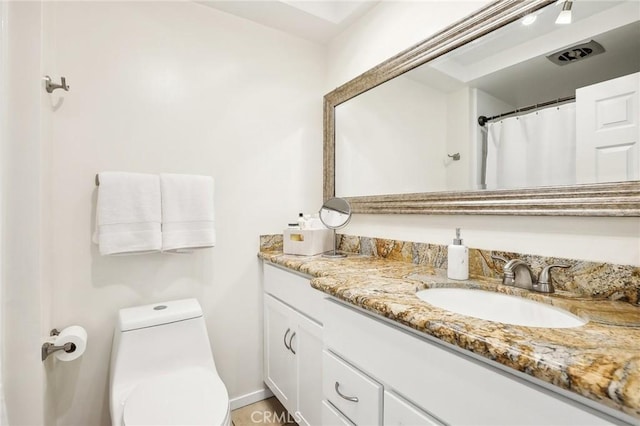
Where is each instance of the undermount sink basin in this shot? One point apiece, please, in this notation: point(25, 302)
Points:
point(499, 307)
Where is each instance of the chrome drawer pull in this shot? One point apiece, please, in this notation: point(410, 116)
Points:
point(291, 342)
point(285, 339)
point(348, 398)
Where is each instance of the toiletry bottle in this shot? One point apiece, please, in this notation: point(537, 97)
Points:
point(302, 222)
point(458, 259)
point(314, 222)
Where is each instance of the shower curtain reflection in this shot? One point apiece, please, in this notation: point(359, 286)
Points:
point(535, 149)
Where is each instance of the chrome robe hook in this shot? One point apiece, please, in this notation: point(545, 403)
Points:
point(50, 87)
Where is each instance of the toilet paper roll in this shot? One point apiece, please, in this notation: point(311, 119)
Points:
point(73, 334)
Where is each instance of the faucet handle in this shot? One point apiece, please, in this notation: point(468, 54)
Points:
point(544, 284)
point(500, 258)
point(507, 274)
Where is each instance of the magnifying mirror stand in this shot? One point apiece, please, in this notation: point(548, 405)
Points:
point(335, 213)
point(334, 254)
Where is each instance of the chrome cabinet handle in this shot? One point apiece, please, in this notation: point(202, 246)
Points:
point(285, 339)
point(348, 398)
point(291, 342)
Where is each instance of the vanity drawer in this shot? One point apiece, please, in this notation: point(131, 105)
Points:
point(399, 412)
point(357, 396)
point(332, 417)
point(295, 290)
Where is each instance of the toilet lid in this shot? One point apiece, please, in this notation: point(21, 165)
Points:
point(189, 397)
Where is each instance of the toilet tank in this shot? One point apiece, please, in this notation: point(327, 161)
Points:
point(158, 338)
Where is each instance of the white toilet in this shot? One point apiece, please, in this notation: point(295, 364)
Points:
point(162, 369)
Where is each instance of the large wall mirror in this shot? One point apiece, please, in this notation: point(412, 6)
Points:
point(505, 112)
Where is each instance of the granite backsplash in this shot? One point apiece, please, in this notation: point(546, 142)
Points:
point(589, 279)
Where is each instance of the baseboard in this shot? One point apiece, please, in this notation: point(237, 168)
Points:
point(250, 398)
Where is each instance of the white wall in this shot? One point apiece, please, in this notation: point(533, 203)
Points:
point(388, 29)
point(394, 152)
point(459, 123)
point(392, 27)
point(176, 87)
point(3, 138)
point(25, 307)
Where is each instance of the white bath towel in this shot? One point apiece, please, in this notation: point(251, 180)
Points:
point(128, 214)
point(187, 212)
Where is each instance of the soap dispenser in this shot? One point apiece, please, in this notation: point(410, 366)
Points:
point(458, 259)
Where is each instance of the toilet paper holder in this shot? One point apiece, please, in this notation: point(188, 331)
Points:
point(48, 348)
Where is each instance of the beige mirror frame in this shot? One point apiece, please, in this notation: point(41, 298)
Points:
point(605, 199)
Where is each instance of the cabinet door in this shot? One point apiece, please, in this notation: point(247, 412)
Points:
point(307, 344)
point(398, 412)
point(279, 360)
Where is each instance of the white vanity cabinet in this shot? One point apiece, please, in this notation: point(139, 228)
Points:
point(426, 383)
point(293, 343)
point(330, 363)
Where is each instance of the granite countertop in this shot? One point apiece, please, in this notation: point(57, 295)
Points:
point(600, 360)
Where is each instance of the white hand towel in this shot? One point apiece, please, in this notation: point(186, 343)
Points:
point(128, 219)
point(187, 212)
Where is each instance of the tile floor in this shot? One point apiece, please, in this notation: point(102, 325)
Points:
point(268, 412)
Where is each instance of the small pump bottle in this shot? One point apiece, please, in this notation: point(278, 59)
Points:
point(302, 221)
point(458, 259)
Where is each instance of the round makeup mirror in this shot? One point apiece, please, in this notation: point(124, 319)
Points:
point(335, 213)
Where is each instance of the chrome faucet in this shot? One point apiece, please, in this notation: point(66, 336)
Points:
point(517, 273)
